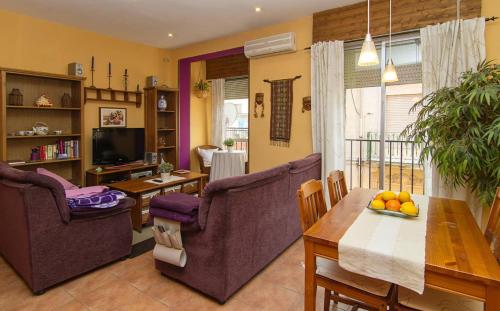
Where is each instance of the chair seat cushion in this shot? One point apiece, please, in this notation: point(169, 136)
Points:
point(437, 300)
point(176, 202)
point(332, 270)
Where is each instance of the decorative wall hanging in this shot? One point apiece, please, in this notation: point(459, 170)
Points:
point(306, 104)
point(281, 111)
point(15, 98)
point(43, 101)
point(66, 100)
point(259, 102)
point(112, 117)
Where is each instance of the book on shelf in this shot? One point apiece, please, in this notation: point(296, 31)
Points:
point(61, 150)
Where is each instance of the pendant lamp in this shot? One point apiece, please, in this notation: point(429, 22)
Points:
point(390, 74)
point(368, 56)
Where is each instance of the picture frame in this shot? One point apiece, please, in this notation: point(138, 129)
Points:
point(112, 117)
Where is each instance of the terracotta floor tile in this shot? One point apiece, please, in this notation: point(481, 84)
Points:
point(90, 281)
point(288, 275)
point(110, 297)
point(265, 295)
point(72, 306)
point(21, 298)
point(142, 302)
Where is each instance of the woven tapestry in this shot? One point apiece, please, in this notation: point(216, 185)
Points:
point(281, 111)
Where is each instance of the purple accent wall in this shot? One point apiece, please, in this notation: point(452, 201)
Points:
point(185, 97)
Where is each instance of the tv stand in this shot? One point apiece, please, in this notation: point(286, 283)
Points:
point(116, 173)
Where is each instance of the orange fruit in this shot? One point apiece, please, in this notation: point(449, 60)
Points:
point(388, 195)
point(393, 205)
point(379, 197)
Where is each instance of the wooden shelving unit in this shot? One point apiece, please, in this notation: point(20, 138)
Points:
point(162, 129)
point(116, 96)
point(70, 120)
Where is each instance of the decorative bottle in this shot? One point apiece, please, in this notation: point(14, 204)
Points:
point(162, 103)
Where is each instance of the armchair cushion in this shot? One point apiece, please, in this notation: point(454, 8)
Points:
point(207, 155)
point(27, 177)
point(66, 184)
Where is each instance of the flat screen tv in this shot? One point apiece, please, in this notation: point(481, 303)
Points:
point(117, 145)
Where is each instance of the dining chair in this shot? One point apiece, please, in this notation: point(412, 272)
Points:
point(356, 290)
point(438, 300)
point(337, 187)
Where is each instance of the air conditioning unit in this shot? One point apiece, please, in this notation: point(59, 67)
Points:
point(277, 44)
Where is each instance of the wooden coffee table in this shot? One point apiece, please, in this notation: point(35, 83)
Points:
point(138, 188)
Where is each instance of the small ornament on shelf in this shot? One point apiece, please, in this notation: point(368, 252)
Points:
point(92, 69)
point(162, 103)
point(43, 101)
point(125, 77)
point(109, 76)
point(66, 100)
point(15, 98)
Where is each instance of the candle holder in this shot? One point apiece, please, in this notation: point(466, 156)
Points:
point(125, 77)
point(92, 69)
point(109, 77)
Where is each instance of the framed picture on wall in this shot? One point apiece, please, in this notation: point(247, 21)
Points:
point(112, 117)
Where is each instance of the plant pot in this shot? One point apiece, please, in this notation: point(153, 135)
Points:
point(230, 148)
point(164, 176)
point(201, 93)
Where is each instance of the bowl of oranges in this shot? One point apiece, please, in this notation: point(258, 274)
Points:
point(394, 204)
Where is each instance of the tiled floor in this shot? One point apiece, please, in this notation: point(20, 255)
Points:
point(134, 284)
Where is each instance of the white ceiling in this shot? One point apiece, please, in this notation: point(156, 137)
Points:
point(150, 21)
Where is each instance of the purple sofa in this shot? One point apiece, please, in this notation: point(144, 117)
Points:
point(44, 241)
point(243, 223)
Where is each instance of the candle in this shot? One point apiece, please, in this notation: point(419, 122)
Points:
point(109, 69)
point(92, 62)
point(125, 71)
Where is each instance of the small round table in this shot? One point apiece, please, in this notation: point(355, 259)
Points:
point(227, 164)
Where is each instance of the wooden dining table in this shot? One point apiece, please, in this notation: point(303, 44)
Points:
point(458, 258)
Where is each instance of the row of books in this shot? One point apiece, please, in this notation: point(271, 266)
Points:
point(68, 149)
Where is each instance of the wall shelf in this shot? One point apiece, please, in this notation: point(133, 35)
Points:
point(115, 96)
point(43, 136)
point(42, 108)
point(44, 162)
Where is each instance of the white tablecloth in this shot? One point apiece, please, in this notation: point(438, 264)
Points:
point(387, 248)
point(227, 164)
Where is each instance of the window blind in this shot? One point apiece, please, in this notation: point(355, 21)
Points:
point(236, 88)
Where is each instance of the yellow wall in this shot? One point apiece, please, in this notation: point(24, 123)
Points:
point(492, 8)
point(199, 116)
point(262, 154)
point(38, 45)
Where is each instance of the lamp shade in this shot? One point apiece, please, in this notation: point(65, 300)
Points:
point(368, 56)
point(390, 74)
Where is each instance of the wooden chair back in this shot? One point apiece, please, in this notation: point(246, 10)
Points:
point(337, 187)
point(311, 201)
point(203, 168)
point(492, 232)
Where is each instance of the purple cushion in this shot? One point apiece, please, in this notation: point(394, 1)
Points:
point(306, 162)
point(66, 184)
point(163, 213)
point(176, 202)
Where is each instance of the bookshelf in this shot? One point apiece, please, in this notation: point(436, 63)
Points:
point(69, 120)
point(162, 126)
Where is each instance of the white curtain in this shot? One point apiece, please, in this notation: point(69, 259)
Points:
point(448, 50)
point(328, 104)
point(218, 122)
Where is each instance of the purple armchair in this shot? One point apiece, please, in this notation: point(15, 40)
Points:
point(44, 241)
point(243, 223)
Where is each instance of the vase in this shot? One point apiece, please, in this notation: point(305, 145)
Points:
point(162, 103)
point(164, 176)
point(230, 148)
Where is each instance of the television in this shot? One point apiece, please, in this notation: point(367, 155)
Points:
point(117, 145)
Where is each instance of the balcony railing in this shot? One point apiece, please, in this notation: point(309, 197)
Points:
point(240, 136)
point(402, 170)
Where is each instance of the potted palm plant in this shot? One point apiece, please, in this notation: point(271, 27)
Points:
point(229, 143)
point(458, 129)
point(201, 88)
point(164, 169)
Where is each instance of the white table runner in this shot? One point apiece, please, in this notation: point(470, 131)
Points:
point(387, 248)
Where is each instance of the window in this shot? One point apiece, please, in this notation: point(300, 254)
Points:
point(376, 113)
point(236, 111)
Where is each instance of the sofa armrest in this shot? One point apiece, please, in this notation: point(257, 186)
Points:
point(78, 214)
